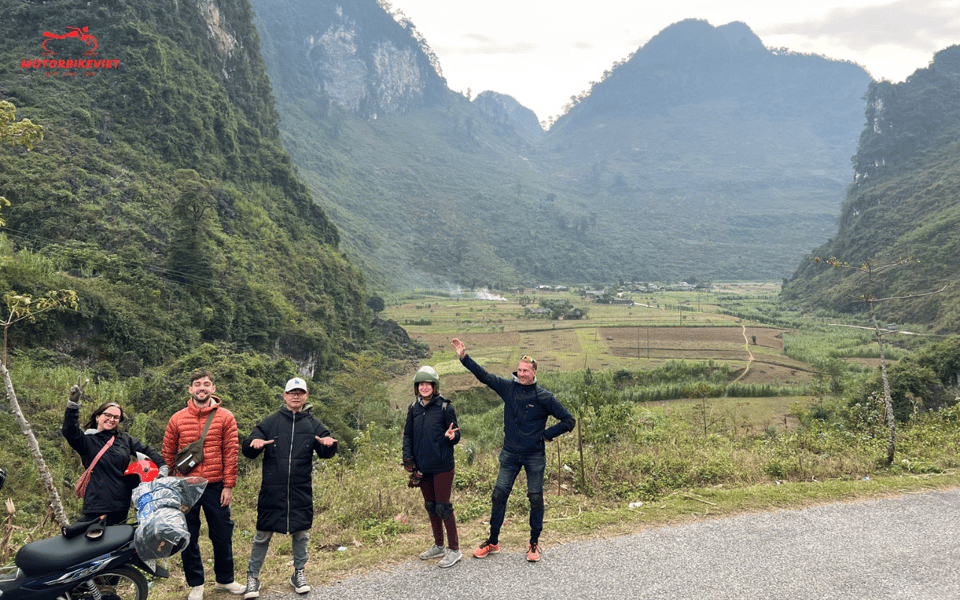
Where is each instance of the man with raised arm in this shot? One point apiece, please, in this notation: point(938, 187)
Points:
point(526, 407)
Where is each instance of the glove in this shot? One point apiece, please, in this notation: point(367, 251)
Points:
point(76, 391)
point(415, 478)
point(409, 465)
point(164, 471)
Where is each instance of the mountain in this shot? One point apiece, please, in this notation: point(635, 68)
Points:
point(510, 114)
point(904, 204)
point(704, 155)
point(707, 154)
point(161, 191)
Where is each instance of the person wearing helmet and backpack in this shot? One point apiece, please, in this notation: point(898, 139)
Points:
point(105, 451)
point(430, 433)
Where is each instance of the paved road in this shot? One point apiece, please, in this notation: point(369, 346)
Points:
point(907, 547)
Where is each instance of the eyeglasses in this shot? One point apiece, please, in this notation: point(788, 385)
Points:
point(296, 393)
point(110, 416)
point(529, 359)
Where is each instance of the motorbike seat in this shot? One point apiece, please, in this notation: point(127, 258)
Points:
point(59, 553)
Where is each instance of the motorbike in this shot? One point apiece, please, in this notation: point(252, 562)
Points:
point(77, 32)
point(79, 568)
point(88, 561)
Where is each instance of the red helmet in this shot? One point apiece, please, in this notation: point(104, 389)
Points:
point(141, 471)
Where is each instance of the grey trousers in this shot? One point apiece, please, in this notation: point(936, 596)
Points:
point(261, 542)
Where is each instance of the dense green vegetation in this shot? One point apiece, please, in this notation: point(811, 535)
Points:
point(162, 195)
point(904, 204)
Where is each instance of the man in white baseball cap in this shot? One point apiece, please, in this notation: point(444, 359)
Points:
point(295, 384)
point(287, 439)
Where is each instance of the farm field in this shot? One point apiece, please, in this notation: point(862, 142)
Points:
point(656, 329)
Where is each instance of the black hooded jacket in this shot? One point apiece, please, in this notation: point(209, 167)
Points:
point(285, 504)
point(525, 411)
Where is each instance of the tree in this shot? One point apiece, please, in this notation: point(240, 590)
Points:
point(191, 252)
point(376, 304)
point(21, 307)
point(359, 390)
point(870, 271)
point(16, 133)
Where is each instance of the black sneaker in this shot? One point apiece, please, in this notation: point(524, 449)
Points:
point(299, 582)
point(253, 588)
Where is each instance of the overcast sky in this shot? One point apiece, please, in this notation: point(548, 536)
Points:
point(541, 52)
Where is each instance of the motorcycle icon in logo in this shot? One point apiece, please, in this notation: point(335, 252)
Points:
point(77, 32)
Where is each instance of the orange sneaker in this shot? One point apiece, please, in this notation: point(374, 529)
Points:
point(533, 553)
point(485, 549)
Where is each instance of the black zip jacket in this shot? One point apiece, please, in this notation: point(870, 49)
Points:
point(525, 411)
point(285, 504)
point(423, 435)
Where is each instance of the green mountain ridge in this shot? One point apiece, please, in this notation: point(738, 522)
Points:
point(162, 194)
point(704, 155)
point(904, 204)
point(186, 205)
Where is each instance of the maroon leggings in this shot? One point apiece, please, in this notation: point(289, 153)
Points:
point(436, 488)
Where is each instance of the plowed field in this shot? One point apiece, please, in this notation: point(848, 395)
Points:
point(756, 352)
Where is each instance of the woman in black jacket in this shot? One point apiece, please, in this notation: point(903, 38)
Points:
point(429, 436)
point(107, 492)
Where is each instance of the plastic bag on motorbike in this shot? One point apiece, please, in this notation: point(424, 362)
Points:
point(161, 508)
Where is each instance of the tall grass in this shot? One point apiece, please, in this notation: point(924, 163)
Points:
point(623, 449)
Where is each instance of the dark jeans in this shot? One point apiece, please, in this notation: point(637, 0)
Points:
point(510, 464)
point(220, 530)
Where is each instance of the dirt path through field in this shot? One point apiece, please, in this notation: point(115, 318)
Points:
point(746, 346)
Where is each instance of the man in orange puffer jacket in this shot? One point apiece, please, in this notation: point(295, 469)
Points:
point(219, 467)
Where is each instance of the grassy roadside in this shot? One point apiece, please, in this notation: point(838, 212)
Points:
point(587, 520)
point(367, 520)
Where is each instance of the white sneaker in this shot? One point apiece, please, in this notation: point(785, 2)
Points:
point(196, 593)
point(233, 587)
point(435, 551)
point(451, 558)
